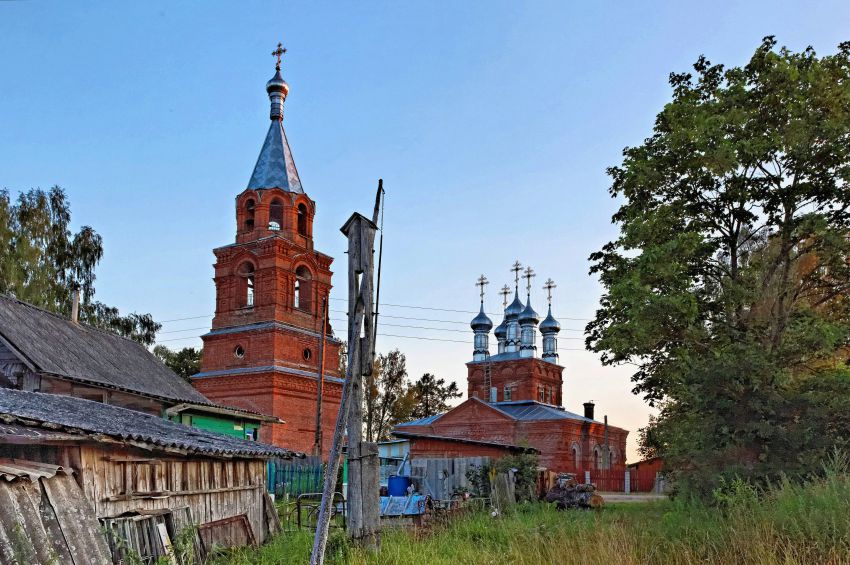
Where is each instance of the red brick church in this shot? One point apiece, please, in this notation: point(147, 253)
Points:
point(514, 399)
point(270, 347)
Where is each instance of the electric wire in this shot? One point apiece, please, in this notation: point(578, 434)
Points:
point(382, 315)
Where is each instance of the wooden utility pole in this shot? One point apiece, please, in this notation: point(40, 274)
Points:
point(363, 503)
point(320, 385)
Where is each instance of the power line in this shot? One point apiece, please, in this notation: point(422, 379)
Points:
point(458, 311)
point(426, 328)
point(343, 321)
point(183, 330)
point(382, 315)
point(395, 335)
point(190, 318)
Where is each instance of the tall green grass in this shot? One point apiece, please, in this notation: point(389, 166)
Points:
point(788, 523)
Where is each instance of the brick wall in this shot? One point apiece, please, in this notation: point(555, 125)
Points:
point(524, 376)
point(288, 397)
point(555, 439)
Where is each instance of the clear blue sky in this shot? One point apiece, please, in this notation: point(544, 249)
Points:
point(490, 122)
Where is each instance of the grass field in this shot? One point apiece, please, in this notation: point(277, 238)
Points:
point(789, 524)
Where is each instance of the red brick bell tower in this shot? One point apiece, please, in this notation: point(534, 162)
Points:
point(263, 350)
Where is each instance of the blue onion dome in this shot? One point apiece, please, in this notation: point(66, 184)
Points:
point(277, 84)
point(481, 322)
point(550, 325)
point(501, 330)
point(514, 309)
point(529, 315)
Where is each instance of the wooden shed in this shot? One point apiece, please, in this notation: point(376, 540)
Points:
point(126, 473)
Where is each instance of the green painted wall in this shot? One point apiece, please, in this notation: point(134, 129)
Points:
point(219, 424)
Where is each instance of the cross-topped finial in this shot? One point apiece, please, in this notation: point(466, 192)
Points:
point(548, 286)
point(277, 53)
point(481, 283)
point(505, 292)
point(516, 268)
point(529, 274)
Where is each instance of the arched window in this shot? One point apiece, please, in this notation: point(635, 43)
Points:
point(302, 219)
point(576, 457)
point(597, 457)
point(303, 288)
point(276, 215)
point(246, 285)
point(249, 214)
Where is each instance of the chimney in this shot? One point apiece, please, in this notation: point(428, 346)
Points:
point(75, 307)
point(588, 410)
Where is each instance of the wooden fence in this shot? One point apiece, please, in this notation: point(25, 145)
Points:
point(441, 478)
point(615, 480)
point(291, 478)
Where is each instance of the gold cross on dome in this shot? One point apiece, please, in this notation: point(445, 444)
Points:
point(481, 283)
point(548, 286)
point(505, 292)
point(516, 268)
point(277, 53)
point(529, 274)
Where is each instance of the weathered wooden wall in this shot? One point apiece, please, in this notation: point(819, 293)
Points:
point(119, 481)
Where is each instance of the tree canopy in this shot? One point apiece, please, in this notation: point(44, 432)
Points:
point(185, 362)
point(727, 287)
point(391, 398)
point(42, 262)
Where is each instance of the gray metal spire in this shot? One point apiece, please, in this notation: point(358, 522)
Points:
point(275, 166)
point(481, 326)
point(550, 327)
point(512, 312)
point(528, 320)
point(501, 331)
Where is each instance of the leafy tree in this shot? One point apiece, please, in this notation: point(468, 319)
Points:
point(432, 396)
point(42, 262)
point(387, 396)
point(185, 362)
point(728, 284)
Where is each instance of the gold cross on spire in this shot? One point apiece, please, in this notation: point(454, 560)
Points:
point(481, 283)
point(516, 268)
point(529, 274)
point(505, 292)
point(277, 53)
point(548, 286)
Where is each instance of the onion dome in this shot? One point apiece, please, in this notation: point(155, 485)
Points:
point(501, 330)
point(529, 316)
point(481, 322)
point(277, 84)
point(515, 308)
point(550, 324)
point(277, 89)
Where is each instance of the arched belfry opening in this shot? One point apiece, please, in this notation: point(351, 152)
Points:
point(246, 284)
point(302, 219)
point(276, 215)
point(303, 289)
point(250, 206)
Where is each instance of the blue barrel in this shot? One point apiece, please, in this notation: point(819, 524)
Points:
point(397, 485)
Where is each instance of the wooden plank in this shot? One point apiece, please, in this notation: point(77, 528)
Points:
point(167, 494)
